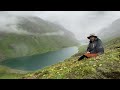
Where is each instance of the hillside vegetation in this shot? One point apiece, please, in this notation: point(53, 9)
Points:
point(8, 73)
point(33, 36)
point(106, 66)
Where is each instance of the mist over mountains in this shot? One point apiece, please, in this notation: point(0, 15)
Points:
point(25, 35)
point(112, 31)
point(81, 23)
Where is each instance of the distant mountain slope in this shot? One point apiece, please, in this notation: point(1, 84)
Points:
point(111, 31)
point(32, 35)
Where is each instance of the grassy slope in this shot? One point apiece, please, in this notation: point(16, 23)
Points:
point(105, 66)
point(8, 73)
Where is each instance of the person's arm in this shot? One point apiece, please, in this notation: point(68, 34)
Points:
point(88, 49)
point(99, 47)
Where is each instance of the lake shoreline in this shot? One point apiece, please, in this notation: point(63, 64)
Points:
point(53, 57)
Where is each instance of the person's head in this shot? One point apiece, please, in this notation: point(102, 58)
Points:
point(92, 37)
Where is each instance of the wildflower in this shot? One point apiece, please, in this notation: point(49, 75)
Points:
point(94, 65)
point(100, 65)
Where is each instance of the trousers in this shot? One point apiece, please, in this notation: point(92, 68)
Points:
point(87, 55)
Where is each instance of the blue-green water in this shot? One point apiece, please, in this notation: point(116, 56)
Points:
point(35, 62)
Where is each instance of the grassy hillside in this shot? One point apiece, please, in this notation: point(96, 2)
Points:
point(38, 37)
point(8, 73)
point(106, 66)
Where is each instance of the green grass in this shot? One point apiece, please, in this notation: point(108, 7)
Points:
point(8, 73)
point(106, 66)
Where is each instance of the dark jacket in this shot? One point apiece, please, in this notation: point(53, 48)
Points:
point(96, 47)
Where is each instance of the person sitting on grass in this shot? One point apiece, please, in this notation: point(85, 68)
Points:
point(94, 49)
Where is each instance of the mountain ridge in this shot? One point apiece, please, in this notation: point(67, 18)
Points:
point(33, 35)
point(113, 30)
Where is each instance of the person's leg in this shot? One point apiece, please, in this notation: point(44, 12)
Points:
point(89, 55)
point(82, 57)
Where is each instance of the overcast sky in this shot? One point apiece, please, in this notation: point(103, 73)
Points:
point(81, 23)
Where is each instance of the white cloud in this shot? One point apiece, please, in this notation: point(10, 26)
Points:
point(21, 13)
point(81, 23)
